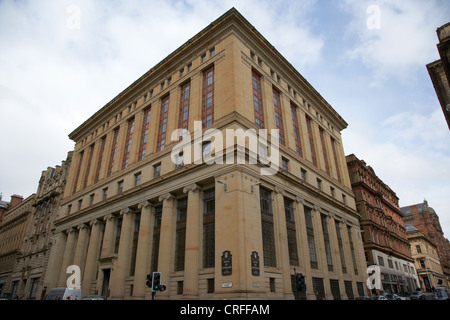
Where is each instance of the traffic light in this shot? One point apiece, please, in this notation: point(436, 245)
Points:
point(149, 281)
point(156, 281)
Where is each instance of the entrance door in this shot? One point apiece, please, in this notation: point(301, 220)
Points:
point(105, 285)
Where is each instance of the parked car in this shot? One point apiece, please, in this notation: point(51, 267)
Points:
point(63, 294)
point(441, 293)
point(417, 295)
point(380, 297)
point(93, 298)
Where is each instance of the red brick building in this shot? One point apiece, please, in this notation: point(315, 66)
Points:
point(384, 235)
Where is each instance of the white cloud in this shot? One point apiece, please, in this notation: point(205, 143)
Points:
point(406, 40)
point(55, 74)
point(410, 153)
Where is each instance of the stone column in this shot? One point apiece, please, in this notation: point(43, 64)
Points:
point(337, 263)
point(108, 238)
point(54, 262)
point(143, 250)
point(166, 255)
point(80, 248)
point(90, 268)
point(192, 256)
point(303, 244)
point(67, 257)
point(122, 264)
point(281, 242)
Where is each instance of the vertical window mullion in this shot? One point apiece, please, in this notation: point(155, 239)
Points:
point(208, 98)
point(184, 107)
point(127, 149)
point(278, 115)
point(257, 101)
point(144, 135)
point(163, 124)
point(296, 127)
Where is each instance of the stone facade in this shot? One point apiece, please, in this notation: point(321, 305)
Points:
point(213, 230)
point(439, 71)
point(385, 240)
point(426, 260)
point(424, 218)
point(28, 274)
point(12, 232)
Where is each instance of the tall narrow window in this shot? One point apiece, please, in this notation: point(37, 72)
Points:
point(137, 222)
point(127, 149)
point(341, 247)
point(163, 124)
point(310, 236)
point(144, 135)
point(336, 161)
point(257, 101)
point(291, 233)
point(326, 239)
point(311, 140)
point(100, 158)
point(180, 241)
point(208, 98)
point(298, 145)
point(268, 236)
point(88, 168)
point(156, 237)
point(352, 249)
point(112, 156)
point(80, 162)
point(118, 233)
point(184, 107)
point(278, 114)
point(324, 150)
point(208, 228)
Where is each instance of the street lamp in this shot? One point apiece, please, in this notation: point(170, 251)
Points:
point(256, 184)
point(224, 184)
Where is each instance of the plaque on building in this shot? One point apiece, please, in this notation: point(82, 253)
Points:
point(226, 263)
point(255, 263)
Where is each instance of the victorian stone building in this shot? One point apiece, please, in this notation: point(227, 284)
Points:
point(12, 232)
point(424, 218)
point(27, 276)
point(426, 260)
point(385, 240)
point(213, 230)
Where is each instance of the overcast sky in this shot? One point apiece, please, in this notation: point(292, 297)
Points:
point(61, 61)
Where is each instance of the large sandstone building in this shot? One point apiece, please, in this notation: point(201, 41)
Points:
point(213, 230)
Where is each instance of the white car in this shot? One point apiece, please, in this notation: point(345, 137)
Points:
point(63, 294)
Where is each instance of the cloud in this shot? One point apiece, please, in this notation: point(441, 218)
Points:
point(62, 60)
point(403, 42)
point(410, 153)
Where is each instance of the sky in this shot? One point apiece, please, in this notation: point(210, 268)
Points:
point(61, 61)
